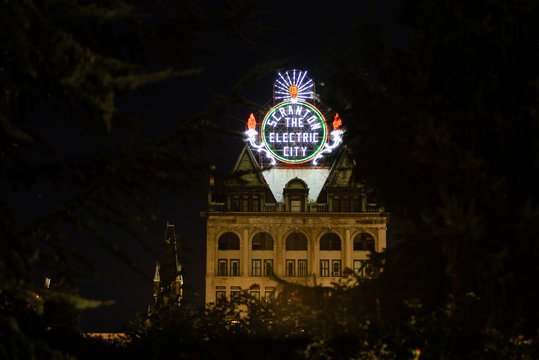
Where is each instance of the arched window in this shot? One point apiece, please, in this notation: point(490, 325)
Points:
point(296, 241)
point(330, 241)
point(364, 242)
point(262, 241)
point(229, 241)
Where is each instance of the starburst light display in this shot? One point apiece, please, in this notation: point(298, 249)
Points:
point(294, 85)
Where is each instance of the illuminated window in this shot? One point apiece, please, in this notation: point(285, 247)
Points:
point(290, 267)
point(234, 267)
point(268, 267)
point(255, 294)
point(335, 267)
point(302, 267)
point(262, 241)
point(330, 241)
point(324, 267)
point(222, 267)
point(364, 242)
point(229, 241)
point(296, 241)
point(256, 267)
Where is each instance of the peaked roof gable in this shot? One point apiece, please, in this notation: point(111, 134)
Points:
point(341, 173)
point(246, 171)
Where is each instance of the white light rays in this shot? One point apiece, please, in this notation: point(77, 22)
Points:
point(283, 84)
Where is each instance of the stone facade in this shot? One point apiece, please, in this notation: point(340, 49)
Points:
point(257, 227)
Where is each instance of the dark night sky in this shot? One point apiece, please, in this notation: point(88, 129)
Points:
point(304, 33)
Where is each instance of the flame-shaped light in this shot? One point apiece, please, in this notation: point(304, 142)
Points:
point(251, 123)
point(337, 122)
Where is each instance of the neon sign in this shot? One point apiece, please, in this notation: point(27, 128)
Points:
point(294, 131)
point(293, 86)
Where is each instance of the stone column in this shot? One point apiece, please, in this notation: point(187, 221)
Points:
point(347, 250)
point(244, 258)
point(279, 250)
point(381, 243)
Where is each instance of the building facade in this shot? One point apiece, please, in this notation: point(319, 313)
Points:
point(304, 225)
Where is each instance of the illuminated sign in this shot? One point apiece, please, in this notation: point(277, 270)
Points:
point(294, 132)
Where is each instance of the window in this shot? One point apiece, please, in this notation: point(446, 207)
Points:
point(358, 267)
point(245, 203)
point(369, 269)
point(330, 241)
point(296, 241)
point(269, 295)
point(236, 203)
point(346, 203)
point(336, 203)
point(255, 203)
point(255, 294)
point(234, 267)
point(364, 242)
point(229, 241)
point(222, 267)
point(324, 267)
point(255, 267)
point(290, 267)
point(268, 267)
point(220, 295)
point(335, 267)
point(296, 193)
point(235, 292)
point(302, 267)
point(296, 205)
point(262, 241)
point(356, 205)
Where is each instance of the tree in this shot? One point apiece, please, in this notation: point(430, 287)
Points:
point(65, 65)
point(445, 129)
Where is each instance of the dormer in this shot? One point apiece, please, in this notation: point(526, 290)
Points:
point(296, 194)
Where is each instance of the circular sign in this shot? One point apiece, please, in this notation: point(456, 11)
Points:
point(294, 132)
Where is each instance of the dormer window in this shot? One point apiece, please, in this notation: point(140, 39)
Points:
point(295, 193)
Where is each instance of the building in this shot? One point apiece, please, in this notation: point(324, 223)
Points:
point(302, 218)
point(168, 276)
